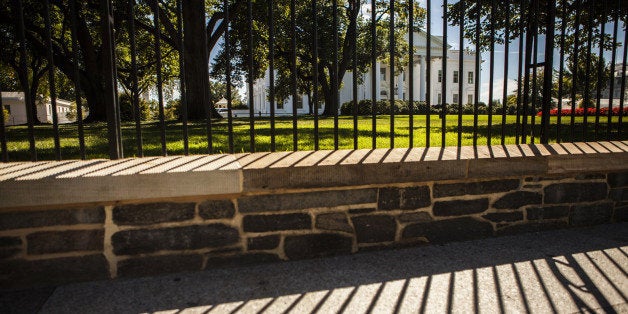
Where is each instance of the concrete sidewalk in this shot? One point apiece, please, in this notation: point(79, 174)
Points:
point(560, 271)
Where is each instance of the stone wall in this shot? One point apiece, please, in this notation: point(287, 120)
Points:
point(138, 237)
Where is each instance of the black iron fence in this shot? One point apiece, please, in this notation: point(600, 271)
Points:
point(109, 56)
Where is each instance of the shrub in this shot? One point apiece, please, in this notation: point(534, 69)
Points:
point(6, 115)
point(382, 107)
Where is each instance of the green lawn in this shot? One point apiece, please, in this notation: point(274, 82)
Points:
point(96, 135)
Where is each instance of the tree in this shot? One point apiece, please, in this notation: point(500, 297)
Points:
point(585, 85)
point(349, 15)
point(91, 51)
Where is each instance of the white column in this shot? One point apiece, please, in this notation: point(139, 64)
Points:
point(422, 79)
point(377, 82)
point(400, 86)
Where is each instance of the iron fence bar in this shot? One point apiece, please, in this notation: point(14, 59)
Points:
point(526, 78)
point(51, 81)
point(27, 92)
point(183, 103)
point(3, 138)
point(428, 72)
point(113, 123)
point(134, 86)
point(444, 79)
point(207, 91)
point(622, 95)
point(520, 58)
point(392, 73)
point(77, 78)
point(271, 69)
point(251, 77)
point(334, 74)
point(548, 72)
point(460, 72)
point(609, 118)
point(228, 77)
point(563, 28)
point(587, 80)
point(535, 62)
point(491, 77)
point(293, 44)
point(506, 60)
point(160, 96)
point(354, 84)
point(315, 73)
point(411, 72)
point(600, 69)
point(478, 52)
point(374, 74)
point(575, 71)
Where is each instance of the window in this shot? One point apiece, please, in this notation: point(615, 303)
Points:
point(382, 74)
point(455, 98)
point(299, 102)
point(280, 104)
point(440, 77)
point(404, 76)
point(440, 98)
point(455, 76)
point(470, 99)
point(470, 78)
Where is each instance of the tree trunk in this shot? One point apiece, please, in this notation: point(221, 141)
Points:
point(196, 61)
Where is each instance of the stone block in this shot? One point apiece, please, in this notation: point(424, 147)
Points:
point(388, 199)
point(404, 198)
point(131, 242)
point(532, 227)
point(65, 241)
point(414, 217)
point(504, 216)
point(619, 194)
point(457, 229)
point(333, 222)
point(621, 213)
point(10, 241)
point(158, 265)
point(266, 223)
point(316, 245)
point(547, 212)
point(517, 200)
point(415, 197)
point(152, 213)
point(575, 192)
point(474, 188)
point(361, 210)
point(460, 207)
point(216, 209)
point(590, 176)
point(375, 228)
point(263, 243)
point(18, 273)
point(33, 219)
point(8, 252)
point(589, 215)
point(618, 179)
point(241, 260)
point(296, 201)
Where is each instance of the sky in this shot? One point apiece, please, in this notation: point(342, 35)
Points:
point(498, 77)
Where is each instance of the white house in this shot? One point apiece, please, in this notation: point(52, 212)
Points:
point(14, 103)
point(401, 82)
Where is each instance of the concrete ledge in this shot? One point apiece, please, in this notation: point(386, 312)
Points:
point(106, 181)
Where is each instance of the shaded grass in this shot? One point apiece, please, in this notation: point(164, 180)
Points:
point(97, 144)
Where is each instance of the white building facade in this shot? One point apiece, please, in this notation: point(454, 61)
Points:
point(402, 86)
point(14, 103)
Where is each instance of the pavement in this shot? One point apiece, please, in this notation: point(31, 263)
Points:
point(564, 271)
